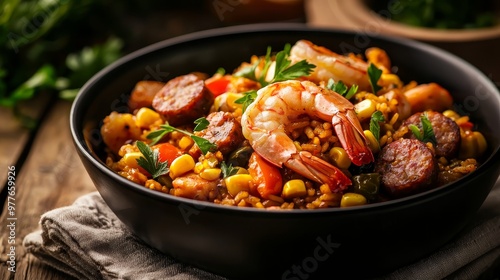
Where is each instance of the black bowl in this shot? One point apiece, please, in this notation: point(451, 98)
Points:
point(237, 242)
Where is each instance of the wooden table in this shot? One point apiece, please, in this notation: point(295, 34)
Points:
point(48, 175)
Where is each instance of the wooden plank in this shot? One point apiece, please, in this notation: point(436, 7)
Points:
point(52, 176)
point(13, 136)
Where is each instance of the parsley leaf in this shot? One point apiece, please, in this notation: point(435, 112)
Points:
point(201, 124)
point(416, 132)
point(374, 75)
point(248, 71)
point(220, 71)
point(227, 170)
point(427, 134)
point(157, 135)
point(247, 99)
point(340, 88)
point(283, 70)
point(150, 161)
point(428, 130)
point(202, 143)
point(377, 117)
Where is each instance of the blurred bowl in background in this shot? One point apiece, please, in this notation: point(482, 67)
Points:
point(477, 46)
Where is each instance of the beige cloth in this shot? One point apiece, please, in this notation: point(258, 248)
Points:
point(87, 241)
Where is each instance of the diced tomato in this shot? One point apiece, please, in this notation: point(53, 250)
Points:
point(218, 85)
point(167, 152)
point(467, 125)
point(267, 177)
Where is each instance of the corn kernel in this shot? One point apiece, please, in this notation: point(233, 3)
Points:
point(185, 142)
point(294, 188)
point(390, 79)
point(352, 199)
point(472, 145)
point(372, 141)
point(462, 120)
point(481, 143)
point(212, 161)
point(198, 167)
point(238, 183)
point(451, 114)
point(130, 159)
point(210, 174)
point(241, 170)
point(231, 98)
point(181, 165)
point(226, 102)
point(324, 188)
point(340, 157)
point(146, 117)
point(365, 109)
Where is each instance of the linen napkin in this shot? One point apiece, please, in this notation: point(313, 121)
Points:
point(86, 240)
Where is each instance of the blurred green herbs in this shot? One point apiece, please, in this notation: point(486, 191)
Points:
point(447, 14)
point(44, 50)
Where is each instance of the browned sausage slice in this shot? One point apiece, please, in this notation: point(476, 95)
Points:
point(143, 94)
point(224, 131)
point(445, 129)
point(183, 99)
point(406, 166)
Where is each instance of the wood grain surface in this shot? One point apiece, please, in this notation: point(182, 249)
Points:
point(52, 176)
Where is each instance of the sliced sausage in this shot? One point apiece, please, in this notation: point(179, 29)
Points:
point(446, 130)
point(224, 131)
point(407, 166)
point(183, 99)
point(143, 94)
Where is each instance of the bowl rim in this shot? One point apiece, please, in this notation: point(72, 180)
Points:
point(403, 202)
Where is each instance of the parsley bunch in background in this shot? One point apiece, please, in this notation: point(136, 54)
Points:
point(446, 14)
point(42, 51)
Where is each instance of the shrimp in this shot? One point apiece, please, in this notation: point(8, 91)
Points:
point(330, 65)
point(265, 120)
point(379, 58)
point(429, 97)
point(117, 129)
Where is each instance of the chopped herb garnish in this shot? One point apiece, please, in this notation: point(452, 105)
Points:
point(157, 135)
point(427, 134)
point(374, 75)
point(150, 161)
point(283, 70)
point(375, 120)
point(416, 132)
point(352, 91)
point(220, 71)
point(201, 124)
point(340, 88)
point(202, 143)
point(247, 99)
point(227, 170)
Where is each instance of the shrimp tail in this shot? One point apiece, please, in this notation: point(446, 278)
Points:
point(352, 138)
point(318, 170)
